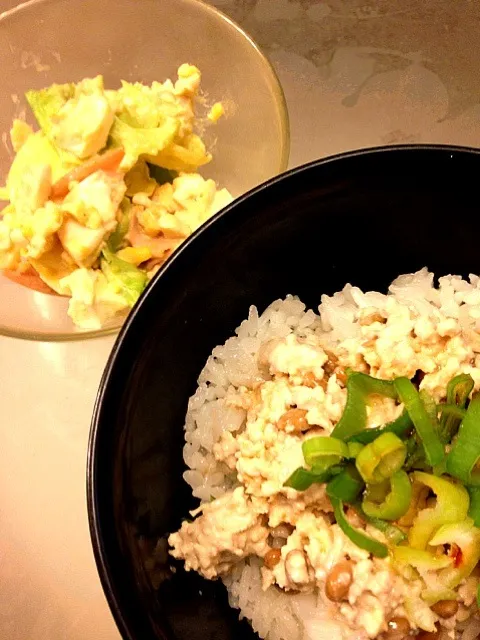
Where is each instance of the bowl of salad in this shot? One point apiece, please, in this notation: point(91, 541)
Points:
point(125, 126)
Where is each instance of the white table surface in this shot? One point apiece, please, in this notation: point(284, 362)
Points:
point(361, 76)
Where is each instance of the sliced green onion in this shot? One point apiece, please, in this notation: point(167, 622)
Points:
point(396, 503)
point(301, 479)
point(377, 492)
point(439, 469)
point(354, 449)
point(359, 538)
point(326, 465)
point(422, 421)
point(370, 385)
point(465, 452)
point(321, 450)
point(381, 458)
point(458, 392)
point(459, 388)
point(451, 410)
point(432, 409)
point(346, 486)
point(400, 427)
point(415, 455)
point(452, 503)
point(393, 534)
point(467, 537)
point(354, 416)
point(474, 510)
point(430, 405)
point(420, 559)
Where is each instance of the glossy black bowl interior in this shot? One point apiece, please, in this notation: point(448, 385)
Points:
point(362, 218)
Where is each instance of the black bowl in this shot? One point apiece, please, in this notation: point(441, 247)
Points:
point(362, 217)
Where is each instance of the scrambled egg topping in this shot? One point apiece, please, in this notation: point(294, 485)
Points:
point(108, 173)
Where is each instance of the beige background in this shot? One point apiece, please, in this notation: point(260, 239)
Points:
point(373, 73)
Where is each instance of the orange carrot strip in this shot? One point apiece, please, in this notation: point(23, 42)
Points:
point(108, 161)
point(29, 279)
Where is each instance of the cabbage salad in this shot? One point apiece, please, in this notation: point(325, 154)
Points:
point(105, 190)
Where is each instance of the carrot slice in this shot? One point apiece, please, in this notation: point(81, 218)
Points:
point(160, 246)
point(108, 161)
point(29, 279)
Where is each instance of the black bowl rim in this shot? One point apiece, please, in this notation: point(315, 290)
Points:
point(100, 553)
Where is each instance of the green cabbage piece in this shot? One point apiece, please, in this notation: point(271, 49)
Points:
point(144, 106)
point(138, 106)
point(45, 104)
point(128, 279)
point(141, 141)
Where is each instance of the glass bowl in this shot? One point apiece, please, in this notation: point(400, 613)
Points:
point(46, 41)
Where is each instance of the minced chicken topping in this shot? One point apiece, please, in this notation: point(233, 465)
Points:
point(298, 392)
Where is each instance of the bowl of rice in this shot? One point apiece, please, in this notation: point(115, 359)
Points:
point(286, 439)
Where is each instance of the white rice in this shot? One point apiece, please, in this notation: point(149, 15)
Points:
point(273, 614)
point(234, 363)
point(276, 615)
